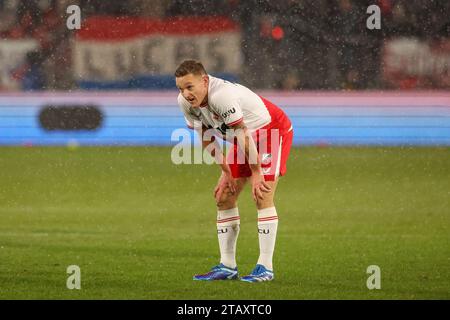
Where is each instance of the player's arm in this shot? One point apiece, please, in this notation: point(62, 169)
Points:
point(248, 147)
point(209, 143)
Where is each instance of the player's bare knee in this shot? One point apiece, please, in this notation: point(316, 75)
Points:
point(266, 202)
point(226, 205)
point(226, 202)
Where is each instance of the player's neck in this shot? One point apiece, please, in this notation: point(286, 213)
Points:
point(204, 102)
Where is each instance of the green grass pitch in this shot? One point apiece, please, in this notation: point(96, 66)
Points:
point(139, 227)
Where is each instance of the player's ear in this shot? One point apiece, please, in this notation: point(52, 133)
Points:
point(205, 80)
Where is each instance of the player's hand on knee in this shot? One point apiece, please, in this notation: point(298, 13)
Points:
point(259, 186)
point(226, 184)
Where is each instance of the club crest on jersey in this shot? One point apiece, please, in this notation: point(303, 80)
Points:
point(266, 158)
point(226, 114)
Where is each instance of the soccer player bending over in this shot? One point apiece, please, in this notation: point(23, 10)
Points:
point(261, 134)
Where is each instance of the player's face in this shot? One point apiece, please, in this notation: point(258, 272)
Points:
point(194, 88)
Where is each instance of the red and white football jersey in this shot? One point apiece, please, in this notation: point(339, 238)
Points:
point(230, 103)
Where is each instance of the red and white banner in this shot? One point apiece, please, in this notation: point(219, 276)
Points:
point(116, 49)
point(413, 63)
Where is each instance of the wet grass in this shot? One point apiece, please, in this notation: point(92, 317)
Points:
point(139, 227)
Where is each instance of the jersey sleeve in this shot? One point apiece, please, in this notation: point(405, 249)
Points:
point(189, 116)
point(229, 109)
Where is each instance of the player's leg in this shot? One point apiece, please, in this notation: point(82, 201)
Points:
point(228, 200)
point(267, 233)
point(228, 221)
point(268, 197)
point(267, 213)
point(267, 226)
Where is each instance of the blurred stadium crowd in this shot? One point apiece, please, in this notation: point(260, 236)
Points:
point(286, 44)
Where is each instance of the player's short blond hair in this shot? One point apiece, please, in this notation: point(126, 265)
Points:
point(190, 67)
